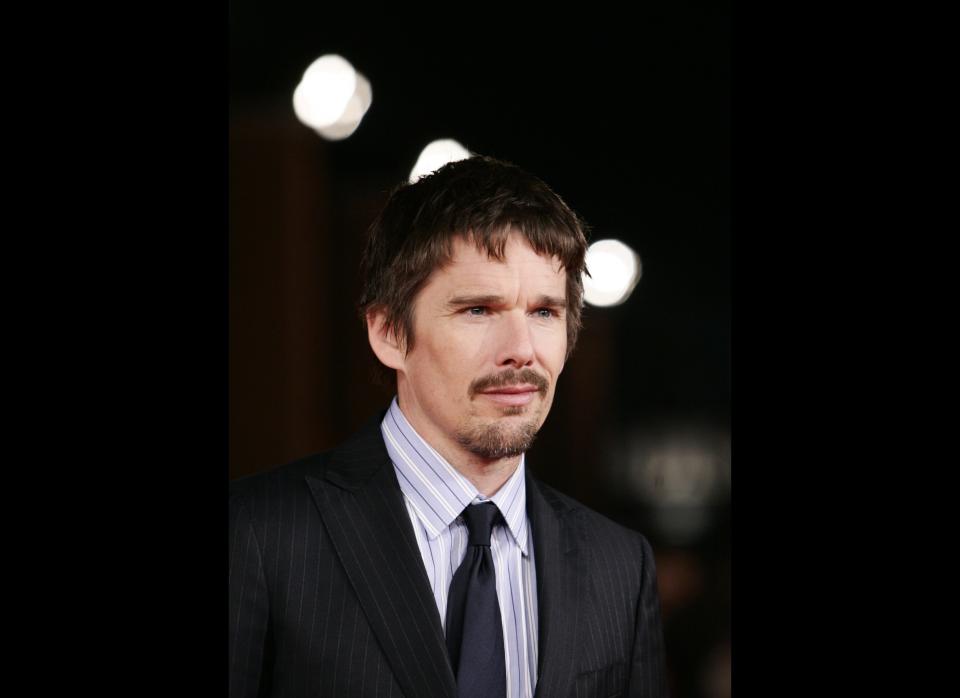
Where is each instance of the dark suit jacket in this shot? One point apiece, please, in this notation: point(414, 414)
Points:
point(329, 595)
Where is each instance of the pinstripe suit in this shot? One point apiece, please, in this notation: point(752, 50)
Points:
point(329, 596)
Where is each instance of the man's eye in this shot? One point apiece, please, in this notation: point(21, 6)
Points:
point(545, 312)
point(477, 310)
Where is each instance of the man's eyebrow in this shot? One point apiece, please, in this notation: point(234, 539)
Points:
point(461, 301)
point(551, 302)
point(494, 300)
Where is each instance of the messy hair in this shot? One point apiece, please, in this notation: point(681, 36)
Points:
point(481, 200)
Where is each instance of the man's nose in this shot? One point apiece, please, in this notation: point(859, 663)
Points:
point(515, 345)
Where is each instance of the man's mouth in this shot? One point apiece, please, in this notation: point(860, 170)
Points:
point(513, 395)
point(511, 388)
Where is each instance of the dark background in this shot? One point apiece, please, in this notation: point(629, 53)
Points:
point(627, 117)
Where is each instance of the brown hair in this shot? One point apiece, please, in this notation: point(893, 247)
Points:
point(479, 199)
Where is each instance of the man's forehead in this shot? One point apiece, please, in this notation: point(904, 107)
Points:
point(466, 250)
point(475, 285)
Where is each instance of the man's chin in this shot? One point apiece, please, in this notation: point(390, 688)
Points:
point(499, 438)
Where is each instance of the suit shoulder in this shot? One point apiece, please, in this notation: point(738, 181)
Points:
point(275, 489)
point(614, 552)
point(596, 526)
point(278, 483)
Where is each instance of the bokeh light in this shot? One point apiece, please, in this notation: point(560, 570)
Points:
point(332, 97)
point(324, 91)
point(352, 115)
point(679, 469)
point(437, 154)
point(614, 272)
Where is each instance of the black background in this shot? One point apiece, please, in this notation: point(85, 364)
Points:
point(119, 255)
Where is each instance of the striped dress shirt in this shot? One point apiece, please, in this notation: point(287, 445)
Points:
point(435, 494)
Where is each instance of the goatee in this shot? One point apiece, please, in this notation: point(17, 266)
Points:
point(496, 441)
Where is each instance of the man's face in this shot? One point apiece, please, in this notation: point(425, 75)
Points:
point(490, 343)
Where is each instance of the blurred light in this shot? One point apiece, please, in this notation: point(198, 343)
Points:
point(614, 272)
point(357, 106)
point(681, 463)
point(436, 155)
point(332, 97)
point(681, 472)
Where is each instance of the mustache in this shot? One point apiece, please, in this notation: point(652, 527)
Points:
point(510, 377)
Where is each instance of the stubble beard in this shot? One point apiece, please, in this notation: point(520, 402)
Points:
point(496, 440)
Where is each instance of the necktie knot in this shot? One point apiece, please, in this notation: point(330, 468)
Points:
point(480, 520)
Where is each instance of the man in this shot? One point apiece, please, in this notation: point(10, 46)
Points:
point(420, 558)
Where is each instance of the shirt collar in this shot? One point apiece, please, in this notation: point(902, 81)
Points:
point(437, 491)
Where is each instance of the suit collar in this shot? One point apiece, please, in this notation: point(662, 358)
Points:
point(358, 459)
point(560, 579)
point(362, 507)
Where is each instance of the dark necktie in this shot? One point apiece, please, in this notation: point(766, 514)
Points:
point(474, 631)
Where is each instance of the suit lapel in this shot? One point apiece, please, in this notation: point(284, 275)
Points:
point(559, 588)
point(362, 507)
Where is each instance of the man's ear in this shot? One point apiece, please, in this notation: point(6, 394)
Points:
point(385, 344)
